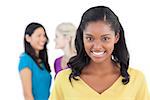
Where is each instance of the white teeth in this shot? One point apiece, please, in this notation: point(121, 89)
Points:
point(98, 53)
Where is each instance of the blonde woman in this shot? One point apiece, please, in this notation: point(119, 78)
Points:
point(65, 35)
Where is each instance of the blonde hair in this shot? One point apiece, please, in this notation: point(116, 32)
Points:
point(67, 29)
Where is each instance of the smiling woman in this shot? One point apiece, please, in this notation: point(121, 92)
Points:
point(99, 42)
point(34, 68)
point(100, 70)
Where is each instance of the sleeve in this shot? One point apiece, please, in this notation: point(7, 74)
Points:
point(25, 61)
point(143, 93)
point(55, 65)
point(57, 93)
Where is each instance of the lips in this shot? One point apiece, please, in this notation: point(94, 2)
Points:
point(42, 43)
point(98, 54)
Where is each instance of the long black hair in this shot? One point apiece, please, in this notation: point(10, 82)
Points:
point(30, 51)
point(120, 52)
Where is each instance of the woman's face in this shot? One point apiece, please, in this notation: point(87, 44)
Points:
point(99, 40)
point(60, 41)
point(38, 39)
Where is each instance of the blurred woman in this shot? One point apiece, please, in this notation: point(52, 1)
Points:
point(33, 65)
point(65, 35)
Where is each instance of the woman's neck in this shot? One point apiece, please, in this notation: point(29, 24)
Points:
point(101, 68)
point(68, 52)
point(37, 53)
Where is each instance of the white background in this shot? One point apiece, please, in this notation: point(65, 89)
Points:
point(16, 14)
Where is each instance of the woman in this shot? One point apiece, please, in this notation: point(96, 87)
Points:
point(33, 66)
point(100, 70)
point(65, 36)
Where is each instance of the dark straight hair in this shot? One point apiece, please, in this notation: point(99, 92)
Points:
point(120, 52)
point(31, 52)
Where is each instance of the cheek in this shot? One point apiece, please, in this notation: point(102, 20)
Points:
point(58, 41)
point(60, 44)
point(33, 44)
point(33, 41)
point(87, 47)
point(45, 39)
point(110, 47)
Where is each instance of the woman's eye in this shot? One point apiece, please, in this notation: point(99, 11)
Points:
point(41, 35)
point(56, 36)
point(105, 39)
point(89, 38)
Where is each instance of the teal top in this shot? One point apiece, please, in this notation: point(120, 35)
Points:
point(41, 78)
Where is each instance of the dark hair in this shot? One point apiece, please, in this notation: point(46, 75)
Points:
point(120, 52)
point(30, 51)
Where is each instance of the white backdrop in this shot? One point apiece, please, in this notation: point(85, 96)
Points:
point(16, 14)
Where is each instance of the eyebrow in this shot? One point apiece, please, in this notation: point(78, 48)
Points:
point(88, 34)
point(106, 35)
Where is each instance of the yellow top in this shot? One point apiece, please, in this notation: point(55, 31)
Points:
point(136, 89)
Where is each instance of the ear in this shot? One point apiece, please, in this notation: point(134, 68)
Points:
point(28, 38)
point(117, 36)
point(68, 38)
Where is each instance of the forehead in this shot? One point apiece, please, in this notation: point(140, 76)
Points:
point(100, 27)
point(39, 30)
point(57, 33)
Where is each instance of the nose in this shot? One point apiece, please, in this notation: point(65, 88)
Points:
point(54, 39)
point(97, 45)
point(44, 39)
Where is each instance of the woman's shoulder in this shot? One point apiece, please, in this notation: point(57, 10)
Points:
point(58, 59)
point(135, 73)
point(63, 74)
point(25, 61)
point(24, 56)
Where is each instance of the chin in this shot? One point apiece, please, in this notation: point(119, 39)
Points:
point(41, 48)
point(98, 61)
point(57, 46)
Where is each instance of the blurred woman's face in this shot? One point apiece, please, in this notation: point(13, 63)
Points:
point(38, 39)
point(60, 41)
